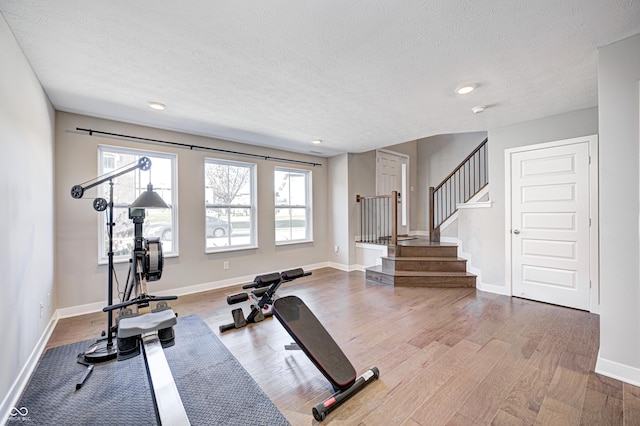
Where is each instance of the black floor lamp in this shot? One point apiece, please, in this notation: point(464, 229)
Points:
point(104, 349)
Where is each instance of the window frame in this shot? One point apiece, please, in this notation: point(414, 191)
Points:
point(252, 207)
point(173, 205)
point(308, 206)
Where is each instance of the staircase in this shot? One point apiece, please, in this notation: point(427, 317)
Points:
point(421, 263)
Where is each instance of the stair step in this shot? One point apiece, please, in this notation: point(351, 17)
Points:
point(432, 250)
point(421, 278)
point(431, 264)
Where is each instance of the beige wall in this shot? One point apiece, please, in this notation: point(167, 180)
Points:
point(437, 156)
point(430, 160)
point(362, 181)
point(81, 281)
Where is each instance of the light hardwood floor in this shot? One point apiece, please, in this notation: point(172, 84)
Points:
point(446, 356)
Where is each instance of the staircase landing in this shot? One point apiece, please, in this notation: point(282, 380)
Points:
point(421, 263)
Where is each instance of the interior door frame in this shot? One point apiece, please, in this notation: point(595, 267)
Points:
point(404, 197)
point(594, 259)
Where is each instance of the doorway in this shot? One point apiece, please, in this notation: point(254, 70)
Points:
point(551, 194)
point(392, 174)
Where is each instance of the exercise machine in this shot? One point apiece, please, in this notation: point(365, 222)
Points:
point(308, 333)
point(143, 320)
point(141, 325)
point(263, 294)
point(136, 314)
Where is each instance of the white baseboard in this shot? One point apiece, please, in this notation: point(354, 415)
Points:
point(489, 288)
point(618, 371)
point(74, 311)
point(11, 399)
point(215, 285)
point(345, 268)
point(182, 291)
point(492, 288)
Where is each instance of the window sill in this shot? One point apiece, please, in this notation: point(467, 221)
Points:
point(229, 249)
point(288, 243)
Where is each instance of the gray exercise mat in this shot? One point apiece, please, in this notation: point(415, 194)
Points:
point(214, 387)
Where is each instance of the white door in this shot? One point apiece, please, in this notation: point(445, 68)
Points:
point(550, 225)
point(391, 175)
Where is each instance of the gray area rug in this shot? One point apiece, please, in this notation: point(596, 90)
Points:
point(214, 387)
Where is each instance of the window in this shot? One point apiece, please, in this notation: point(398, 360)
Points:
point(230, 206)
point(126, 188)
point(292, 189)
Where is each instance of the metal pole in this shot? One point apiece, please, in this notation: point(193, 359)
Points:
point(110, 266)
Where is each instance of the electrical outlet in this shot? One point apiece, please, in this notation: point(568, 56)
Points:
point(225, 265)
point(41, 309)
point(336, 249)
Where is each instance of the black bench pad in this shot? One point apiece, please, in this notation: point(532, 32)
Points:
point(314, 340)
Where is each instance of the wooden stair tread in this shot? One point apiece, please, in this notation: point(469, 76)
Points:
point(424, 250)
point(378, 268)
point(425, 258)
point(420, 263)
point(425, 243)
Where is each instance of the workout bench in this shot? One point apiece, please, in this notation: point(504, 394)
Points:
point(307, 332)
point(314, 340)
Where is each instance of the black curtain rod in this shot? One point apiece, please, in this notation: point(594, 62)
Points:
point(191, 147)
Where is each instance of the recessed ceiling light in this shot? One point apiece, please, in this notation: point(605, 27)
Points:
point(465, 89)
point(157, 105)
point(317, 142)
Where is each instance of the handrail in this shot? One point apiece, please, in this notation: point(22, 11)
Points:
point(462, 163)
point(379, 218)
point(464, 182)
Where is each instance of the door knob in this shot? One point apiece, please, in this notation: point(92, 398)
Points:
point(516, 231)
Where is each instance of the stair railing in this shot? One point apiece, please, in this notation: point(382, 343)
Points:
point(379, 218)
point(458, 187)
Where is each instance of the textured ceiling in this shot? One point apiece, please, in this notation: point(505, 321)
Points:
point(358, 74)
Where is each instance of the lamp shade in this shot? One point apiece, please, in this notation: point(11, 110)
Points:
point(149, 200)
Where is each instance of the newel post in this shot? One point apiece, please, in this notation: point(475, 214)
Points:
point(394, 218)
point(434, 234)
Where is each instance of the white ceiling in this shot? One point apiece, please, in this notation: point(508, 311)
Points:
point(359, 74)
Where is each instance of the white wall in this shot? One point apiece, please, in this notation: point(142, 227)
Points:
point(26, 212)
point(81, 281)
point(618, 86)
point(492, 233)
